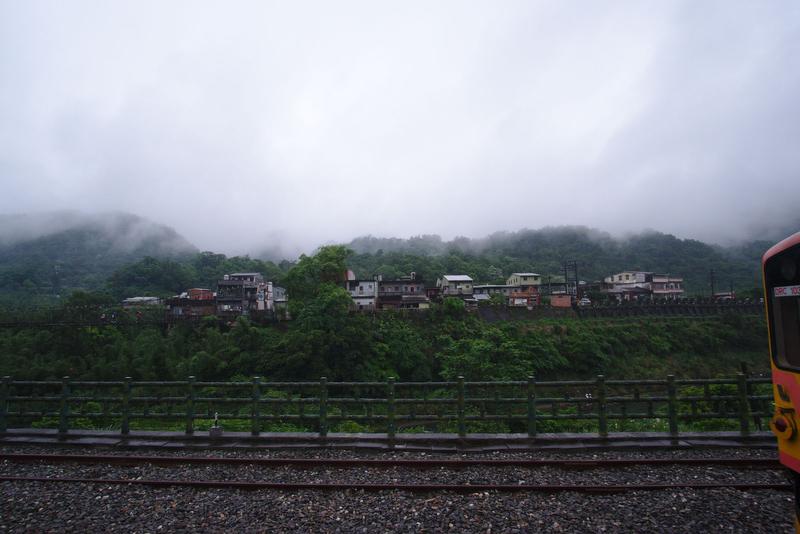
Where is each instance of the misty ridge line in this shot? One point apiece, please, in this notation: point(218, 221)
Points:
point(128, 255)
point(125, 232)
point(128, 232)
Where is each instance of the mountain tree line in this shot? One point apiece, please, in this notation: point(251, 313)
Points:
point(327, 339)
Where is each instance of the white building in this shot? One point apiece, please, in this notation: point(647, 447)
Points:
point(364, 293)
point(455, 285)
point(522, 280)
point(629, 285)
point(494, 289)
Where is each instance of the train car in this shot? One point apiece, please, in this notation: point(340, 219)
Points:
point(781, 271)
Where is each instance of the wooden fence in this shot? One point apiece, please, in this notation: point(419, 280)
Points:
point(595, 406)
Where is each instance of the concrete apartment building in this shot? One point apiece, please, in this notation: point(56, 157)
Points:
point(631, 285)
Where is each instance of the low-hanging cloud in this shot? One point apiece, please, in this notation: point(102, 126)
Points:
point(259, 125)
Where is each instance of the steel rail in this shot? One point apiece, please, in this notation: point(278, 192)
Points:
point(416, 488)
point(764, 463)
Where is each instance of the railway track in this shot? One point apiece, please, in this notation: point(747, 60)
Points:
point(616, 464)
point(764, 463)
point(414, 488)
point(43, 489)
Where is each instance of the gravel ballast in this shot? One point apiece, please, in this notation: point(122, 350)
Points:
point(89, 508)
point(82, 507)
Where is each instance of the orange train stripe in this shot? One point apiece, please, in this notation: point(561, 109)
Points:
point(789, 461)
point(789, 381)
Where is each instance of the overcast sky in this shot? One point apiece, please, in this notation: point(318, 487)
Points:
point(246, 124)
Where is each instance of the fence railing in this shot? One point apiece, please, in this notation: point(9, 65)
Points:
point(530, 407)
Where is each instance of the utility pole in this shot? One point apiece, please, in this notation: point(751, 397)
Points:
point(711, 275)
point(571, 277)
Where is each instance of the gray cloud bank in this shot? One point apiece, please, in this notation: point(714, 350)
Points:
point(254, 125)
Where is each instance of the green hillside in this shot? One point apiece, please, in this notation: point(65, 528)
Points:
point(543, 251)
point(48, 256)
point(53, 254)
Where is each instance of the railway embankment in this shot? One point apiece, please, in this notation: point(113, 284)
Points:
point(739, 489)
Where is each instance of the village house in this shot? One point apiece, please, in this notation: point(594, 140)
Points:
point(245, 294)
point(406, 292)
point(237, 294)
point(193, 303)
point(632, 285)
point(451, 285)
point(493, 289)
point(364, 294)
point(280, 300)
point(527, 297)
point(484, 292)
point(523, 280)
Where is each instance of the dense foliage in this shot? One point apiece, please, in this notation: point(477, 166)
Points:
point(327, 340)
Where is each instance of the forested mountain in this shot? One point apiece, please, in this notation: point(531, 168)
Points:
point(597, 254)
point(54, 253)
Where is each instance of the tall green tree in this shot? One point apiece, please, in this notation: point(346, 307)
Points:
point(305, 280)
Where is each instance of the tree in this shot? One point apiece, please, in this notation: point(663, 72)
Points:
point(327, 340)
point(304, 280)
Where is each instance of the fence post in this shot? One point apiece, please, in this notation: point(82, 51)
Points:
point(672, 407)
point(63, 419)
point(255, 424)
point(601, 406)
point(390, 421)
point(5, 393)
point(323, 407)
point(750, 392)
point(462, 425)
point(126, 406)
point(744, 405)
point(531, 406)
point(190, 396)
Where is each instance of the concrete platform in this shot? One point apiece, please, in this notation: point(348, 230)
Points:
point(423, 442)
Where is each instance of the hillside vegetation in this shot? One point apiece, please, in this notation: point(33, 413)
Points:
point(543, 251)
point(44, 258)
point(326, 339)
point(53, 254)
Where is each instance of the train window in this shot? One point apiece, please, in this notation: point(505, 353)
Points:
point(786, 310)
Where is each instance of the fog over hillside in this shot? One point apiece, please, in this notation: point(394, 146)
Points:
point(280, 126)
point(122, 233)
